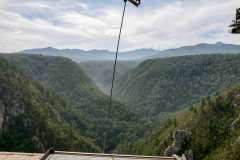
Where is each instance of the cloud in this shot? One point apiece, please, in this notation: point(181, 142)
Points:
point(93, 24)
point(182, 23)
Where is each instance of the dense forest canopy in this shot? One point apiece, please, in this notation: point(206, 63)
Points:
point(170, 84)
point(34, 118)
point(213, 124)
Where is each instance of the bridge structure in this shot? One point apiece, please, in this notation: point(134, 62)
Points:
point(61, 155)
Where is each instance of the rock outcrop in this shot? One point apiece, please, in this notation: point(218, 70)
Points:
point(234, 125)
point(181, 139)
point(188, 154)
point(236, 100)
point(1, 116)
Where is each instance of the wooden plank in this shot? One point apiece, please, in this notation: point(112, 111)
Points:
point(79, 157)
point(113, 155)
point(19, 156)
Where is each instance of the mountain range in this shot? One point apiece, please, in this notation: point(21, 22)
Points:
point(79, 55)
point(202, 48)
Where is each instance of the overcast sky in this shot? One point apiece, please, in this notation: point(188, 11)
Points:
point(94, 24)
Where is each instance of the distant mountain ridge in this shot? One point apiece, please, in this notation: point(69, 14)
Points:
point(80, 55)
point(202, 48)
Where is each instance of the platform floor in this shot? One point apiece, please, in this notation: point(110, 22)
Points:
point(19, 156)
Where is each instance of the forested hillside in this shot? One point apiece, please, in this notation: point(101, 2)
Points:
point(32, 118)
point(101, 71)
point(171, 84)
point(66, 78)
point(212, 126)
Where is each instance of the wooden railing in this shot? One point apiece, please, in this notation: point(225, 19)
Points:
point(112, 156)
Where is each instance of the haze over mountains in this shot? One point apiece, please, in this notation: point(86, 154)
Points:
point(101, 72)
point(79, 55)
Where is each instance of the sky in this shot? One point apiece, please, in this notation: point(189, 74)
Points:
point(94, 24)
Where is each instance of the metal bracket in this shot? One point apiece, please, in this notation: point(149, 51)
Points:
point(46, 155)
point(134, 2)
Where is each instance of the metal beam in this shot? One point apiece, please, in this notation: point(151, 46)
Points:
point(235, 27)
